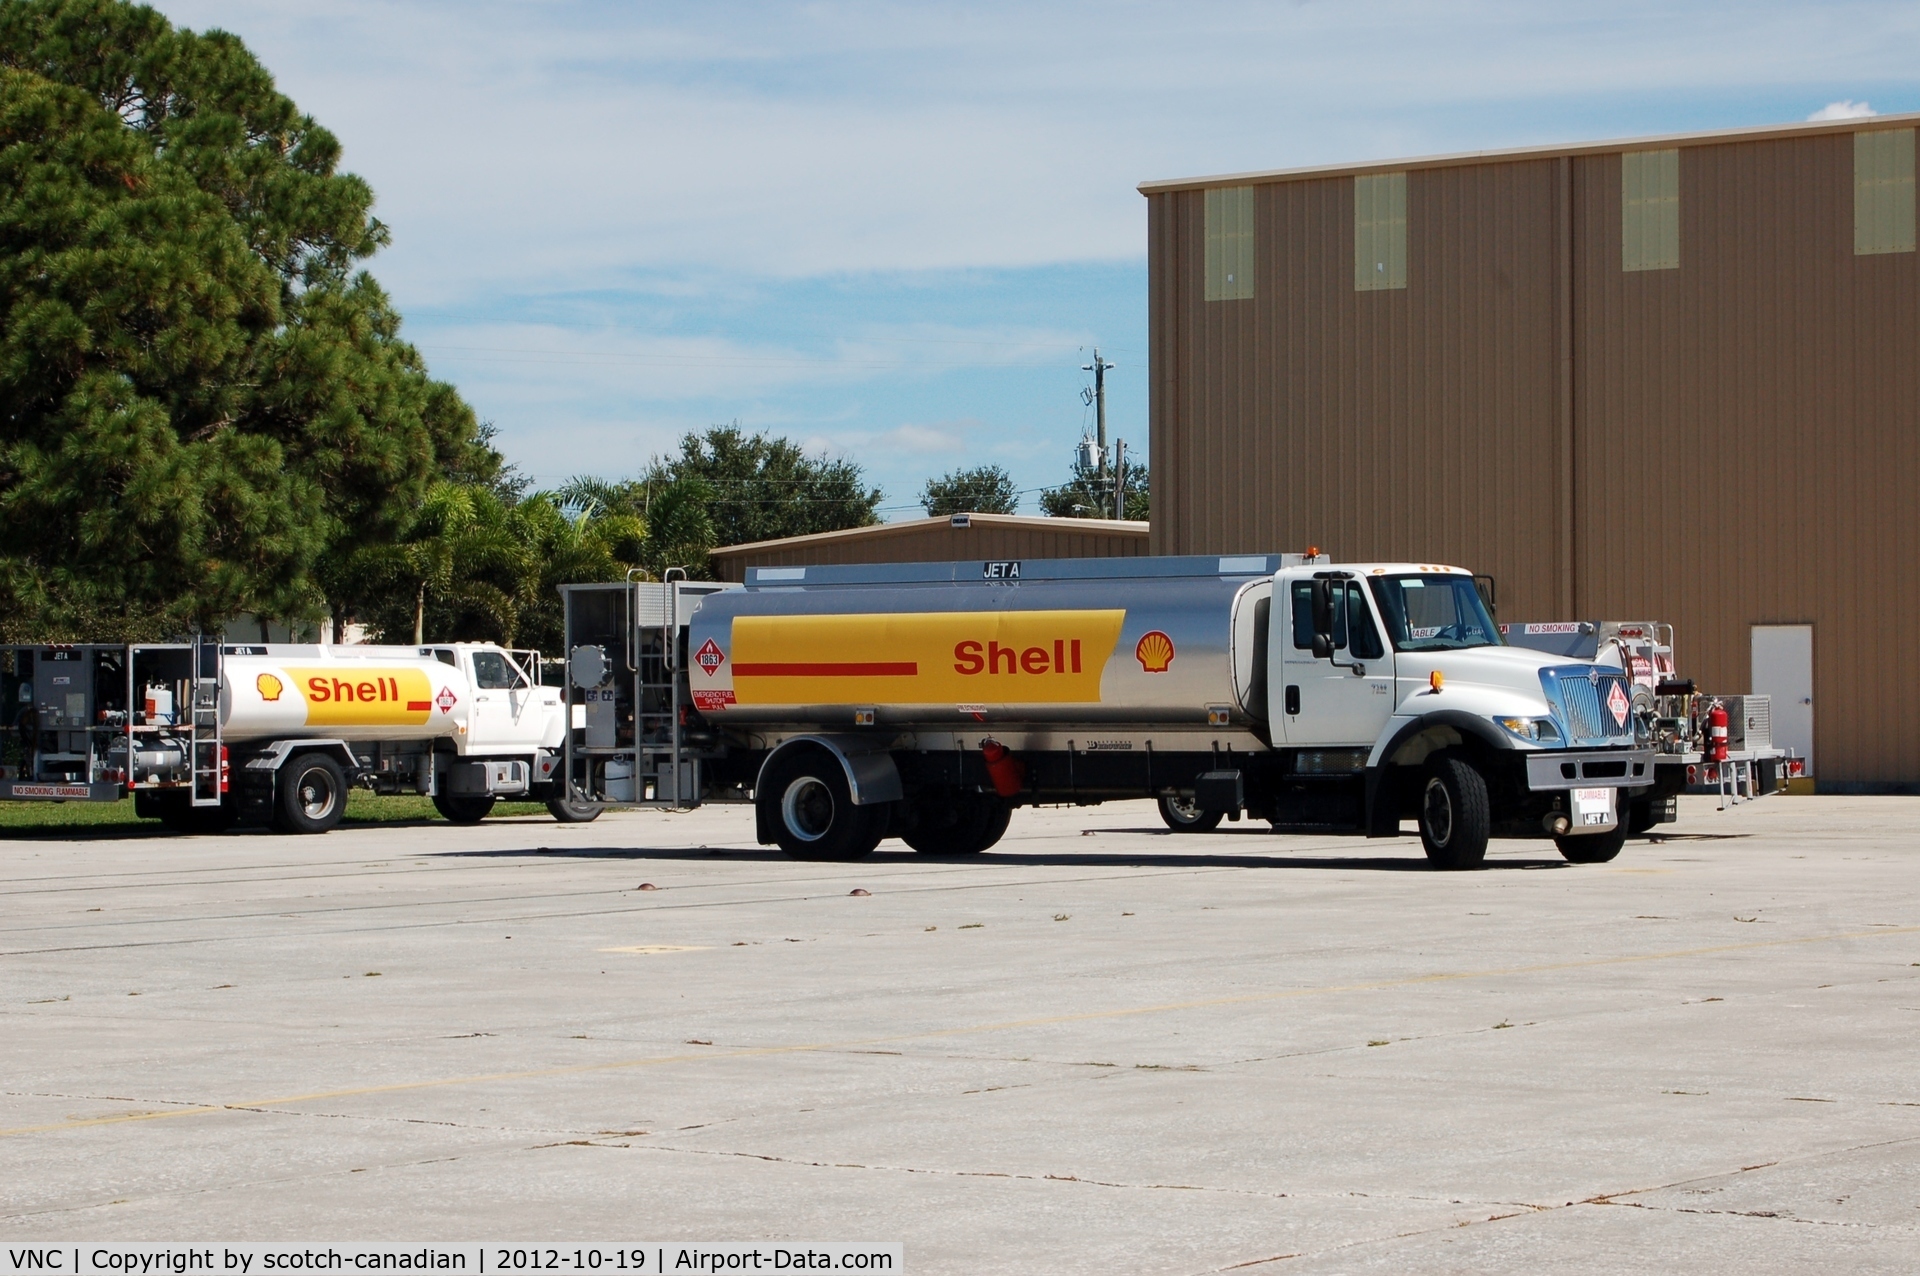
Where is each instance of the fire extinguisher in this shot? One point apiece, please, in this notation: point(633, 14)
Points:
point(1008, 773)
point(1717, 732)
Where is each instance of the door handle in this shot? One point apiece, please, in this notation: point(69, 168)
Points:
point(1293, 701)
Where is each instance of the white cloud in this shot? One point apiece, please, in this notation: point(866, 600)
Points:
point(1844, 109)
point(577, 143)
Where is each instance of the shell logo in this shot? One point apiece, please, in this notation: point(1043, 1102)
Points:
point(1154, 651)
point(269, 686)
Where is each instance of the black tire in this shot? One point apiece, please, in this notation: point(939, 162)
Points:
point(310, 794)
point(956, 823)
point(1639, 817)
point(1182, 816)
point(463, 808)
point(1592, 848)
point(566, 810)
point(995, 825)
point(1455, 817)
point(803, 797)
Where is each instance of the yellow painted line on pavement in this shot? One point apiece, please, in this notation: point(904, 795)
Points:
point(1009, 1025)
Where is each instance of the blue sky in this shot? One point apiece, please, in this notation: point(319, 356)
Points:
point(895, 232)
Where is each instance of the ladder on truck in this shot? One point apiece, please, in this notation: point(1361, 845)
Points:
point(666, 774)
point(203, 722)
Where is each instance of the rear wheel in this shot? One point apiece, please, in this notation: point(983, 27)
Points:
point(1455, 817)
point(1183, 815)
point(956, 823)
point(804, 798)
point(1592, 848)
point(572, 810)
point(463, 808)
point(311, 794)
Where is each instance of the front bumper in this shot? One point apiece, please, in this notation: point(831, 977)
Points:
point(1589, 769)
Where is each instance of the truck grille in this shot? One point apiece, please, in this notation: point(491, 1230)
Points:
point(1582, 702)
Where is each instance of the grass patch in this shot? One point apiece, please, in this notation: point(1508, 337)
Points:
point(57, 819)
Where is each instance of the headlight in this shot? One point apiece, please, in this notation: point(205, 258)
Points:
point(1531, 728)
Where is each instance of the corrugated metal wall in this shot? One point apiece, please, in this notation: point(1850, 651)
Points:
point(936, 541)
point(1408, 423)
point(1729, 443)
point(1747, 429)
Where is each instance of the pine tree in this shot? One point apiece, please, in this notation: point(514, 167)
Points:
point(205, 407)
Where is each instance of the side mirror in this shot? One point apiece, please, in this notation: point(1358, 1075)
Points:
point(1323, 620)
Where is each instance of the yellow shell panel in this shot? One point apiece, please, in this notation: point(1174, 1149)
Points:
point(364, 695)
point(1005, 657)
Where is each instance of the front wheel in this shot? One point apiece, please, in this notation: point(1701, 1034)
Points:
point(463, 808)
point(1592, 848)
point(1455, 817)
point(312, 794)
point(804, 798)
point(1183, 815)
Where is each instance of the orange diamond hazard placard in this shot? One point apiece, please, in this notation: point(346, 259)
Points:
point(710, 657)
point(1617, 702)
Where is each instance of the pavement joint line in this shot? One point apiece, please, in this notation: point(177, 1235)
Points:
point(539, 917)
point(534, 858)
point(939, 1033)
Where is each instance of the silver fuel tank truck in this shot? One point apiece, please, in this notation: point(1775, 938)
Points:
point(925, 701)
point(206, 734)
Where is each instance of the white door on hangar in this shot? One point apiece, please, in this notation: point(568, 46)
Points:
point(1783, 670)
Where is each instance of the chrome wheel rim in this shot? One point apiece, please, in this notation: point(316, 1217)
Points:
point(317, 794)
point(807, 809)
point(1437, 811)
point(1184, 809)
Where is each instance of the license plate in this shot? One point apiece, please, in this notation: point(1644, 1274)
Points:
point(1593, 806)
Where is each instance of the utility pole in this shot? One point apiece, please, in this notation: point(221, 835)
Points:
point(1100, 367)
point(1119, 478)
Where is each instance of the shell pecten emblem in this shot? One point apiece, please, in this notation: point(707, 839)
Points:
point(269, 687)
point(1154, 651)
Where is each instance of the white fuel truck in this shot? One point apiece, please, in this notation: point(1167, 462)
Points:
point(203, 735)
point(926, 700)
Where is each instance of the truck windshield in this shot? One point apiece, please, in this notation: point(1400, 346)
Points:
point(1434, 613)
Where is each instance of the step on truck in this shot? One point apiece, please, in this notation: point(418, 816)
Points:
point(926, 701)
point(202, 735)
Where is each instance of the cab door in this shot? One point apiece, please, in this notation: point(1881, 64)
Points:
point(505, 718)
point(1345, 700)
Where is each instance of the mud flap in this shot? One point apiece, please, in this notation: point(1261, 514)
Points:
point(1383, 810)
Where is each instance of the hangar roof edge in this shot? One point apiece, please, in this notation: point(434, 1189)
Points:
point(1763, 132)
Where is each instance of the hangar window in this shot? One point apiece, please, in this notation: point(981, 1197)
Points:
point(1650, 210)
point(1883, 191)
point(1379, 231)
point(1230, 243)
